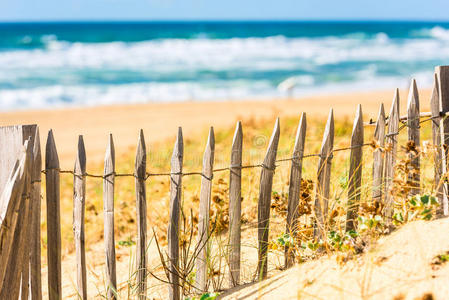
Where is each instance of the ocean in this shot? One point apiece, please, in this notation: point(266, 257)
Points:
point(48, 65)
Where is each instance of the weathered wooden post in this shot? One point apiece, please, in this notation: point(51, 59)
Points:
point(264, 205)
point(108, 208)
point(235, 210)
point(79, 202)
point(295, 187)
point(173, 226)
point(413, 126)
point(378, 158)
point(323, 179)
point(141, 210)
point(203, 220)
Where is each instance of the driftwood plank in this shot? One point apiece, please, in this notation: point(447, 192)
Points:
point(203, 220)
point(443, 91)
point(378, 158)
point(141, 205)
point(53, 219)
point(175, 207)
point(391, 146)
point(235, 205)
point(295, 187)
point(355, 171)
point(323, 179)
point(413, 139)
point(264, 205)
point(35, 242)
point(79, 201)
point(436, 141)
point(108, 207)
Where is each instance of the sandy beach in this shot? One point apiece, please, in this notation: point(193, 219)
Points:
point(160, 120)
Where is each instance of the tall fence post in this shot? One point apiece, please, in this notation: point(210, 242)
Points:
point(355, 171)
point(35, 243)
point(53, 219)
point(235, 205)
point(443, 90)
point(413, 126)
point(79, 201)
point(203, 220)
point(391, 146)
point(108, 207)
point(323, 179)
point(436, 141)
point(264, 205)
point(378, 158)
point(141, 210)
point(295, 188)
point(173, 226)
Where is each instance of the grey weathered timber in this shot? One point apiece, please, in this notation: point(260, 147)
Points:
point(391, 145)
point(79, 202)
point(264, 204)
point(35, 242)
point(378, 158)
point(141, 205)
point(108, 208)
point(235, 205)
point(295, 187)
point(443, 91)
point(173, 225)
point(203, 220)
point(53, 218)
point(436, 141)
point(355, 171)
point(414, 139)
point(323, 179)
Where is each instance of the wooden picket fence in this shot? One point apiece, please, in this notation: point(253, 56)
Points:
point(20, 189)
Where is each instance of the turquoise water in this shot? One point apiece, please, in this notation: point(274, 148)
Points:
point(45, 65)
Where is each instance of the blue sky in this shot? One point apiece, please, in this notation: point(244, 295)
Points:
point(42, 10)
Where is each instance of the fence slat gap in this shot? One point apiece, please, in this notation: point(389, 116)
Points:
point(108, 207)
point(355, 171)
point(202, 261)
point(378, 159)
point(235, 205)
point(295, 188)
point(53, 218)
point(173, 225)
point(391, 146)
point(141, 211)
point(413, 128)
point(79, 202)
point(263, 212)
point(436, 142)
point(443, 93)
point(323, 179)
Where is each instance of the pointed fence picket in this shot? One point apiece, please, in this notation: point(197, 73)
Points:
point(378, 158)
point(413, 126)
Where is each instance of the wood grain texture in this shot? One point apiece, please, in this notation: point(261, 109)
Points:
point(175, 207)
point(35, 242)
point(323, 179)
point(391, 145)
point(141, 205)
point(203, 220)
point(294, 188)
point(378, 158)
point(108, 208)
point(79, 202)
point(355, 171)
point(443, 93)
point(413, 130)
point(436, 141)
point(264, 204)
point(235, 205)
point(53, 218)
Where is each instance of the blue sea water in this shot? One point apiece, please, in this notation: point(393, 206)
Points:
point(46, 65)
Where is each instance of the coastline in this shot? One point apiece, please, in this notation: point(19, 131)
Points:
point(160, 120)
